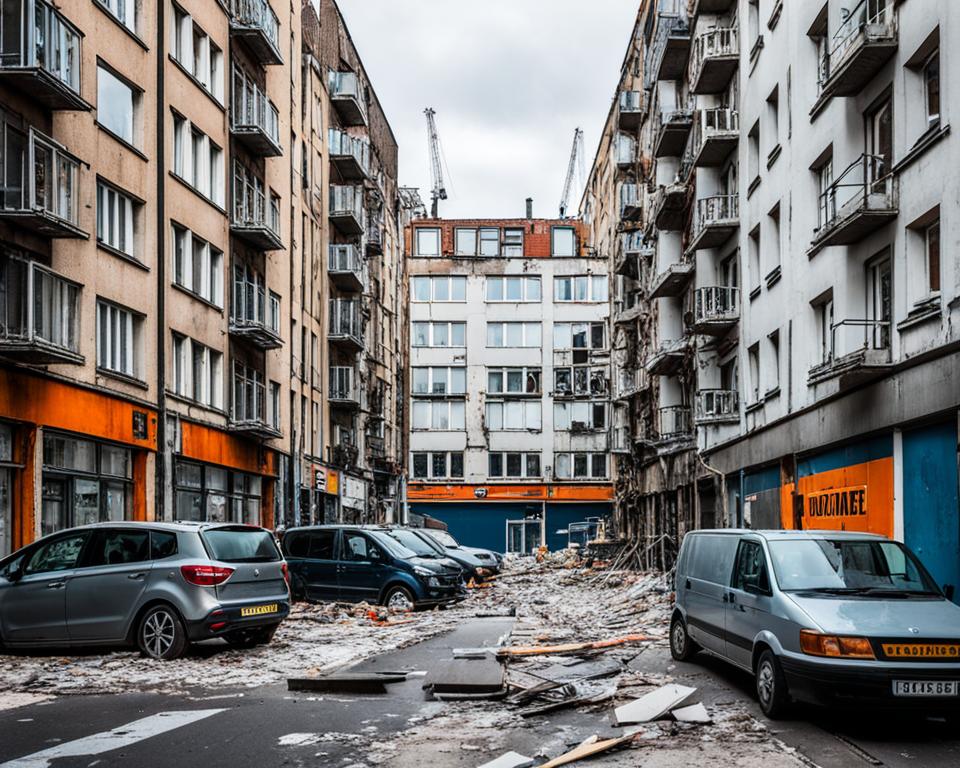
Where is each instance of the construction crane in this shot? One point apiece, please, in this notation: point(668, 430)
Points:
point(576, 155)
point(438, 192)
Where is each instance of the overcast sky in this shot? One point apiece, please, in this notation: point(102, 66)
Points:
point(509, 79)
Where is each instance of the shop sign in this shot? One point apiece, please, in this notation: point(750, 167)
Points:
point(320, 479)
point(838, 502)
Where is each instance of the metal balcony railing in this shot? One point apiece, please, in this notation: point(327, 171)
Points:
point(632, 108)
point(343, 146)
point(631, 201)
point(714, 43)
point(346, 92)
point(346, 266)
point(673, 421)
point(253, 116)
point(672, 22)
point(853, 28)
point(346, 207)
point(248, 413)
point(343, 384)
point(716, 210)
point(716, 304)
point(255, 21)
point(346, 321)
point(625, 150)
point(255, 217)
point(853, 336)
point(852, 190)
point(714, 405)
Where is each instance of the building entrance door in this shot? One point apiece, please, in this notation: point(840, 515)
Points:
point(524, 536)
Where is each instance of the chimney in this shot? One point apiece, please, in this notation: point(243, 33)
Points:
point(529, 207)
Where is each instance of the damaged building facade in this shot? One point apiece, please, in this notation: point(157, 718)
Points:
point(509, 380)
point(786, 270)
point(173, 228)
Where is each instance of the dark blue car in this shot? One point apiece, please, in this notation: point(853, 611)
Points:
point(365, 563)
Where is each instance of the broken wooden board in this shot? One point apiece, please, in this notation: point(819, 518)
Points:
point(540, 650)
point(695, 713)
point(345, 682)
point(509, 760)
point(588, 748)
point(471, 676)
point(655, 704)
point(501, 694)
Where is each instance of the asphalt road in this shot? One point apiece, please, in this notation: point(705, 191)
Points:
point(270, 726)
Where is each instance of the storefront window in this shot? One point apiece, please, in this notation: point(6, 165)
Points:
point(212, 494)
point(84, 482)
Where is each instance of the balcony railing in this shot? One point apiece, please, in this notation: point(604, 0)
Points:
point(254, 22)
point(633, 107)
point(631, 202)
point(346, 324)
point(717, 217)
point(673, 133)
point(40, 183)
point(859, 349)
point(717, 406)
point(862, 198)
point(346, 93)
point(346, 267)
point(716, 133)
point(254, 119)
point(39, 313)
point(714, 59)
point(667, 57)
point(248, 414)
point(374, 239)
point(343, 386)
point(625, 150)
point(349, 154)
point(716, 309)
point(346, 208)
point(673, 422)
point(864, 42)
point(255, 218)
point(629, 383)
point(249, 318)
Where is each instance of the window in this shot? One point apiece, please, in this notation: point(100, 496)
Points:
point(773, 118)
point(428, 241)
point(579, 416)
point(580, 466)
point(931, 88)
point(751, 571)
point(274, 414)
point(519, 289)
point(450, 289)
point(513, 415)
point(251, 205)
point(118, 339)
point(774, 383)
point(579, 380)
point(117, 105)
point(489, 241)
point(273, 320)
point(466, 242)
point(513, 243)
point(197, 265)
point(754, 248)
point(563, 241)
point(437, 466)
point(249, 394)
point(931, 238)
point(580, 288)
point(439, 415)
point(436, 334)
point(206, 493)
point(248, 303)
point(880, 140)
point(774, 240)
point(824, 315)
point(514, 381)
point(439, 380)
point(513, 334)
point(125, 11)
point(515, 466)
point(827, 205)
point(753, 357)
point(193, 49)
point(197, 160)
point(753, 149)
point(197, 372)
point(115, 219)
point(579, 336)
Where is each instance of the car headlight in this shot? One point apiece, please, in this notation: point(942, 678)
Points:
point(423, 573)
point(817, 644)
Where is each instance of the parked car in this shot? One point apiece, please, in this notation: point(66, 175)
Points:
point(357, 563)
point(158, 586)
point(823, 617)
point(488, 560)
point(471, 566)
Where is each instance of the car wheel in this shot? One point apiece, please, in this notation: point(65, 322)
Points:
point(399, 598)
point(249, 638)
point(772, 687)
point(682, 646)
point(161, 634)
point(298, 591)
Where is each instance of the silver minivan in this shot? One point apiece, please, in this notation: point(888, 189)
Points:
point(824, 617)
point(158, 586)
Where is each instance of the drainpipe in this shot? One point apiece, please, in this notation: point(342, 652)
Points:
point(161, 456)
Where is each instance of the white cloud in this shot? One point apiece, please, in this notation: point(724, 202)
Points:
point(509, 79)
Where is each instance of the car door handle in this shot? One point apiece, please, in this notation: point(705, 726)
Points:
point(56, 585)
point(688, 584)
point(729, 598)
point(135, 576)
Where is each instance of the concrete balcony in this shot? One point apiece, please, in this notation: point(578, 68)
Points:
point(625, 151)
point(674, 130)
point(50, 74)
point(709, 6)
point(716, 310)
point(344, 391)
point(40, 190)
point(632, 110)
point(673, 423)
point(667, 59)
point(861, 199)
point(255, 23)
point(248, 413)
point(39, 314)
point(714, 60)
point(346, 93)
point(716, 133)
point(717, 218)
point(717, 406)
point(346, 267)
point(255, 219)
point(255, 331)
point(254, 119)
point(633, 246)
point(349, 155)
point(629, 383)
point(861, 47)
point(667, 359)
point(631, 202)
point(672, 282)
point(670, 207)
point(346, 208)
point(346, 324)
point(859, 351)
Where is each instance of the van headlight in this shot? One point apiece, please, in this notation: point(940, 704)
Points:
point(818, 644)
point(426, 575)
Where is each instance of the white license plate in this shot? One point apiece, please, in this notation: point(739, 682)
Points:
point(925, 687)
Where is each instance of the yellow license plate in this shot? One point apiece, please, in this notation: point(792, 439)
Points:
point(258, 610)
point(921, 651)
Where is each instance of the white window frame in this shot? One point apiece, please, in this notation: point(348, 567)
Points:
point(116, 219)
point(556, 243)
point(205, 69)
point(124, 11)
point(473, 233)
point(432, 325)
point(136, 95)
point(210, 391)
point(434, 283)
point(563, 334)
point(207, 177)
point(119, 332)
point(420, 233)
point(504, 373)
point(525, 473)
point(448, 463)
point(568, 458)
point(444, 415)
point(583, 289)
point(501, 415)
point(565, 414)
point(530, 289)
point(529, 339)
point(187, 247)
point(433, 379)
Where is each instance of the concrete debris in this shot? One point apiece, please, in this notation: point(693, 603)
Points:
point(471, 677)
point(695, 713)
point(540, 650)
point(509, 760)
point(654, 705)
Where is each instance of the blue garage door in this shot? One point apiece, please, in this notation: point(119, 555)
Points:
point(931, 510)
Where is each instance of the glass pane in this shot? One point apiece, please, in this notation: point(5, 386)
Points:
point(115, 104)
point(458, 334)
point(116, 501)
point(189, 506)
point(189, 475)
point(86, 501)
point(115, 461)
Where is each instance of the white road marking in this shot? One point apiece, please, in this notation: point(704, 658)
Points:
point(121, 736)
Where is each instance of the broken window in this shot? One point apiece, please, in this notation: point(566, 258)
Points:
point(561, 380)
point(514, 380)
point(439, 465)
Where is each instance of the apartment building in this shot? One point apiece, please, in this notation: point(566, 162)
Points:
point(150, 310)
point(510, 379)
point(796, 261)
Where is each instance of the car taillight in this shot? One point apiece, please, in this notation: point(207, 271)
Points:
point(286, 573)
point(206, 575)
point(817, 644)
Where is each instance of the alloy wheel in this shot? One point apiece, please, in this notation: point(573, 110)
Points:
point(679, 638)
point(159, 631)
point(765, 682)
point(399, 601)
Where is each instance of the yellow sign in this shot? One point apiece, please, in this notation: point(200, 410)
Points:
point(259, 610)
point(838, 502)
point(921, 651)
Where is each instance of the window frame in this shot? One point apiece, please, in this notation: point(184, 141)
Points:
point(122, 320)
point(435, 232)
point(554, 232)
point(132, 207)
point(526, 284)
point(525, 325)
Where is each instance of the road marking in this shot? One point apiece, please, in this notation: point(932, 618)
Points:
point(121, 736)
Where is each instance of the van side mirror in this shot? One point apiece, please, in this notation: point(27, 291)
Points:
point(14, 574)
point(948, 591)
point(375, 555)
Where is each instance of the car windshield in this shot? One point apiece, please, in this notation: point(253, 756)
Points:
point(411, 541)
point(393, 546)
point(838, 566)
point(444, 538)
point(241, 545)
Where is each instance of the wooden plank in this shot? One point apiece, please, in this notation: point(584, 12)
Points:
point(590, 747)
point(540, 650)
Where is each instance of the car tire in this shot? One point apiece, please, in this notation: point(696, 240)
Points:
point(298, 591)
point(772, 686)
point(682, 646)
point(399, 598)
point(250, 638)
point(161, 635)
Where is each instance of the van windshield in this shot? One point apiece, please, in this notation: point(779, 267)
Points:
point(414, 543)
point(849, 567)
point(393, 546)
point(443, 537)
